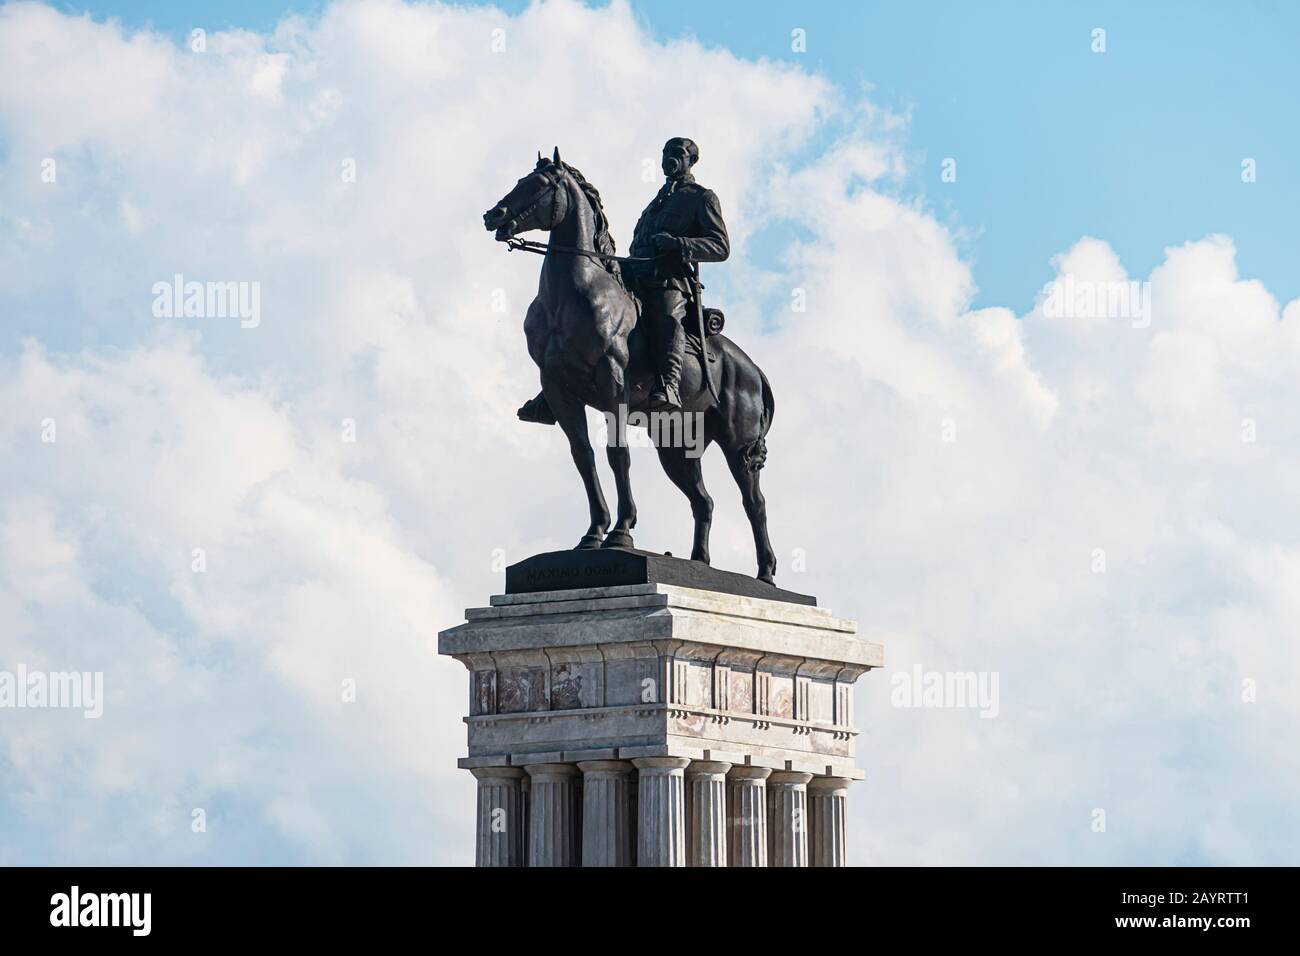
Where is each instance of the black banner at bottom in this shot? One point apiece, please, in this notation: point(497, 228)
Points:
point(336, 905)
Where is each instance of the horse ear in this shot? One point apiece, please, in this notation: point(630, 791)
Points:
point(556, 158)
point(539, 157)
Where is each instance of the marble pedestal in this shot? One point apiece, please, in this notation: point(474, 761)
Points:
point(669, 724)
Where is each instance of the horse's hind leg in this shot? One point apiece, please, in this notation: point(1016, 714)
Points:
point(572, 416)
point(756, 508)
point(685, 472)
point(609, 379)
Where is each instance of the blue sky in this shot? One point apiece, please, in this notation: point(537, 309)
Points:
point(1099, 509)
point(1141, 145)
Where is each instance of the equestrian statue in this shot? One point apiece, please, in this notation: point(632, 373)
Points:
point(618, 332)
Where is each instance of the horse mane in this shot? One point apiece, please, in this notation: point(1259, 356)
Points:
point(603, 240)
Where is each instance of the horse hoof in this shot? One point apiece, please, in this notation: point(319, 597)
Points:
point(767, 579)
point(618, 539)
point(589, 542)
point(703, 558)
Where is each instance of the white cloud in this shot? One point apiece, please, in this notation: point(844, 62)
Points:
point(330, 560)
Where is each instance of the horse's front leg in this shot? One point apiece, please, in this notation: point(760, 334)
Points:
point(620, 460)
point(572, 417)
point(537, 332)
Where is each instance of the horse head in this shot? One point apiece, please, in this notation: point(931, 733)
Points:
point(538, 201)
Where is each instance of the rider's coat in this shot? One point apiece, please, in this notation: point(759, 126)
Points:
point(687, 210)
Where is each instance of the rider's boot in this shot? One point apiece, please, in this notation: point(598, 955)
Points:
point(666, 397)
point(536, 410)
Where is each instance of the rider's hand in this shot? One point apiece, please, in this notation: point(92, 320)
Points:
point(666, 242)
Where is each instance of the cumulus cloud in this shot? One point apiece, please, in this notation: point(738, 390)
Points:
point(950, 474)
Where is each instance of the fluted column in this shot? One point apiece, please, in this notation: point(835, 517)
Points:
point(552, 815)
point(606, 813)
point(525, 793)
point(828, 805)
point(661, 827)
point(747, 816)
point(499, 829)
point(787, 793)
point(706, 813)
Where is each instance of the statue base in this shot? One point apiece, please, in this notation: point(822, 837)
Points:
point(654, 724)
point(614, 567)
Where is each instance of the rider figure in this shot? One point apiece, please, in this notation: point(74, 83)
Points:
point(683, 221)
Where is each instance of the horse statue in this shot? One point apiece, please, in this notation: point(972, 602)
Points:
point(582, 333)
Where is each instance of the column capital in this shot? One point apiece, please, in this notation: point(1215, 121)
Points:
point(542, 770)
point(789, 778)
point(716, 767)
point(604, 766)
point(749, 773)
point(661, 764)
point(828, 784)
point(497, 773)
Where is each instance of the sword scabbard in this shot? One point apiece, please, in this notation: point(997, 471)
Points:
point(696, 289)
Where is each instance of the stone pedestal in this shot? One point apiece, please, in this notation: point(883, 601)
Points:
point(706, 813)
point(828, 808)
point(606, 813)
point(641, 695)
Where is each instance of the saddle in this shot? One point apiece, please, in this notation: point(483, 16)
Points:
point(714, 322)
point(714, 319)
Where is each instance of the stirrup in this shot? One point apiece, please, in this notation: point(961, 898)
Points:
point(665, 398)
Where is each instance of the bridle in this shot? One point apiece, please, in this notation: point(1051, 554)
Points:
point(554, 184)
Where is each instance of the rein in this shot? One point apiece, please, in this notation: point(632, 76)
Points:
point(541, 248)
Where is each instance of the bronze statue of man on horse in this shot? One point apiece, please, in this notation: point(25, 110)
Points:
point(611, 332)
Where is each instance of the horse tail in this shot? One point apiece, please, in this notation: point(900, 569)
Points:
point(754, 455)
